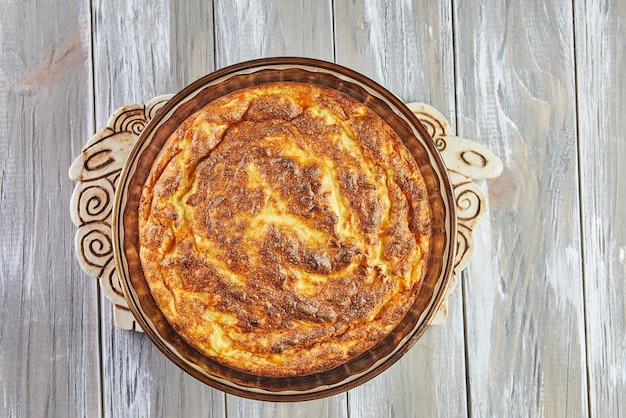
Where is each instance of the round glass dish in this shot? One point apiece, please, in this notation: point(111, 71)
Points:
point(126, 237)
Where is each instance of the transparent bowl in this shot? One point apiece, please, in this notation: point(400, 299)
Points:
point(126, 238)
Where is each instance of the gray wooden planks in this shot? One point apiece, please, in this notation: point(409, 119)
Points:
point(515, 91)
point(601, 59)
point(48, 344)
point(141, 52)
point(250, 29)
point(408, 48)
point(524, 303)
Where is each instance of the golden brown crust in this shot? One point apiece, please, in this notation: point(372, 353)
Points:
point(284, 229)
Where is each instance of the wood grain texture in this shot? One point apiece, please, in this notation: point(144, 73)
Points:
point(408, 48)
point(250, 29)
point(48, 346)
point(601, 59)
point(540, 83)
point(523, 297)
point(141, 52)
point(255, 29)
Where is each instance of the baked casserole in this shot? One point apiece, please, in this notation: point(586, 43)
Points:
point(284, 229)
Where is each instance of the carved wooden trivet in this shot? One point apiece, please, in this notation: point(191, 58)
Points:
point(466, 160)
point(96, 170)
point(98, 167)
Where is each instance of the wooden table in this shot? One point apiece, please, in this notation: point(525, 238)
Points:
point(537, 327)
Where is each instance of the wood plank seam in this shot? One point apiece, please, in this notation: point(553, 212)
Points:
point(581, 210)
point(99, 330)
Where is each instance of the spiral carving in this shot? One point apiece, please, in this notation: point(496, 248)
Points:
point(114, 282)
point(441, 143)
point(468, 202)
point(156, 104)
point(430, 127)
point(110, 285)
point(95, 249)
point(462, 244)
point(99, 244)
point(96, 201)
point(465, 247)
point(132, 121)
point(435, 127)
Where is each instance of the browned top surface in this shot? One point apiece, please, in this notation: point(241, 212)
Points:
point(284, 229)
